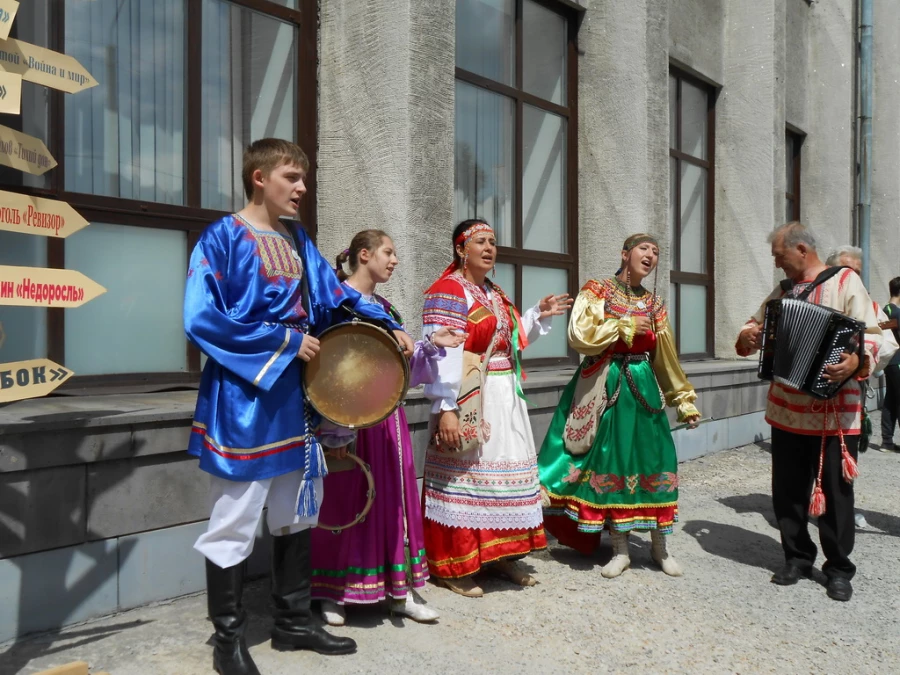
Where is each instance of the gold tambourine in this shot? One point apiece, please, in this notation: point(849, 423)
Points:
point(359, 377)
point(346, 464)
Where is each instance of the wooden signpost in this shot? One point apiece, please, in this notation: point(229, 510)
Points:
point(40, 287)
point(8, 10)
point(44, 66)
point(36, 215)
point(23, 152)
point(30, 379)
point(33, 286)
point(10, 93)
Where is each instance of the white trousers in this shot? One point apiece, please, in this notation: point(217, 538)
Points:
point(237, 508)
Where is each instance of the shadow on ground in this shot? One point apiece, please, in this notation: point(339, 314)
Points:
point(21, 652)
point(879, 523)
point(736, 544)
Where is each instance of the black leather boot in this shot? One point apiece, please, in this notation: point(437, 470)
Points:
point(224, 588)
point(291, 591)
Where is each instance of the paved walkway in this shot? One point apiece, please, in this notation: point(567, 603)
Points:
point(723, 616)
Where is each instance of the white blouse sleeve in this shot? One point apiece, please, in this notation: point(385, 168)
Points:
point(533, 325)
point(444, 390)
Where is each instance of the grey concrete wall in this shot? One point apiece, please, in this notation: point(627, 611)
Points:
point(827, 171)
point(886, 151)
point(386, 96)
point(623, 179)
point(746, 138)
point(696, 34)
point(797, 75)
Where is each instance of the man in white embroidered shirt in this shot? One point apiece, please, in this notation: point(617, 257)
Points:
point(812, 443)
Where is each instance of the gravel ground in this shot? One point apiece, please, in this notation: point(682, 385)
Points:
point(723, 616)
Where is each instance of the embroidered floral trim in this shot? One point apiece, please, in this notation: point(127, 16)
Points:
point(605, 483)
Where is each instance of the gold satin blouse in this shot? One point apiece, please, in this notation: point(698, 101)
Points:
point(600, 319)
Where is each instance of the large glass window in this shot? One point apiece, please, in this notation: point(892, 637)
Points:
point(149, 156)
point(691, 128)
point(515, 145)
point(249, 71)
point(141, 310)
point(125, 137)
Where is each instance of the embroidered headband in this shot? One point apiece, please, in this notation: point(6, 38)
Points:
point(636, 239)
point(466, 236)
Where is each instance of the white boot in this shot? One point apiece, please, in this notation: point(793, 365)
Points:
point(415, 611)
point(333, 613)
point(620, 560)
point(661, 556)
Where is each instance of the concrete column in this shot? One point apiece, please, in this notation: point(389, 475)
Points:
point(386, 81)
point(885, 151)
point(747, 131)
point(623, 126)
point(828, 171)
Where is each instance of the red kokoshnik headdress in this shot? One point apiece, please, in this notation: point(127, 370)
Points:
point(463, 240)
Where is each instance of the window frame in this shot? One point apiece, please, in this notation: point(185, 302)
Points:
point(794, 139)
point(517, 255)
point(676, 276)
point(189, 218)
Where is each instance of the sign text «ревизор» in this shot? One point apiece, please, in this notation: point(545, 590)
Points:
point(41, 292)
point(31, 217)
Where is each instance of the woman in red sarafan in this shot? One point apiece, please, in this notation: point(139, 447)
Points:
point(481, 506)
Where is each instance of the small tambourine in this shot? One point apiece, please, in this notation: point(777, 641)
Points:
point(336, 465)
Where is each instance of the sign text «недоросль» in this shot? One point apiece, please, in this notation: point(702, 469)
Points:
point(38, 292)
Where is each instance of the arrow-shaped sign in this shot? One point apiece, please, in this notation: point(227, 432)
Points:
point(30, 379)
point(24, 152)
point(39, 287)
point(36, 215)
point(44, 66)
point(8, 9)
point(10, 93)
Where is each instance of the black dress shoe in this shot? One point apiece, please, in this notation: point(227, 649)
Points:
point(839, 589)
point(790, 575)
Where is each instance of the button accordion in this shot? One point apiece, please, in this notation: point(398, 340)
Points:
point(800, 338)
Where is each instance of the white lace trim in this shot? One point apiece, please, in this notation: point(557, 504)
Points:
point(529, 517)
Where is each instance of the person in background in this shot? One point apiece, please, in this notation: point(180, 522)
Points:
point(890, 409)
point(851, 256)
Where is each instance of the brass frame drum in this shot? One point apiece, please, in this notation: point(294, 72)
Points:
point(358, 379)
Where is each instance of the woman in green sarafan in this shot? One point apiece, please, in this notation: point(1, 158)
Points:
point(608, 459)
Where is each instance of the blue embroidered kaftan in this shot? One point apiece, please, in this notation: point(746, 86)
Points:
point(243, 309)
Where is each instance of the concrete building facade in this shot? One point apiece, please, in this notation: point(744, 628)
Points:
point(704, 122)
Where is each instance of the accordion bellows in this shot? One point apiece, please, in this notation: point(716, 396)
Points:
point(800, 339)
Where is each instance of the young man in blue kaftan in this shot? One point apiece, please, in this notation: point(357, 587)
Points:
point(253, 431)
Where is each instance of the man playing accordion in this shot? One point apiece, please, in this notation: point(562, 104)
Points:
point(814, 441)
